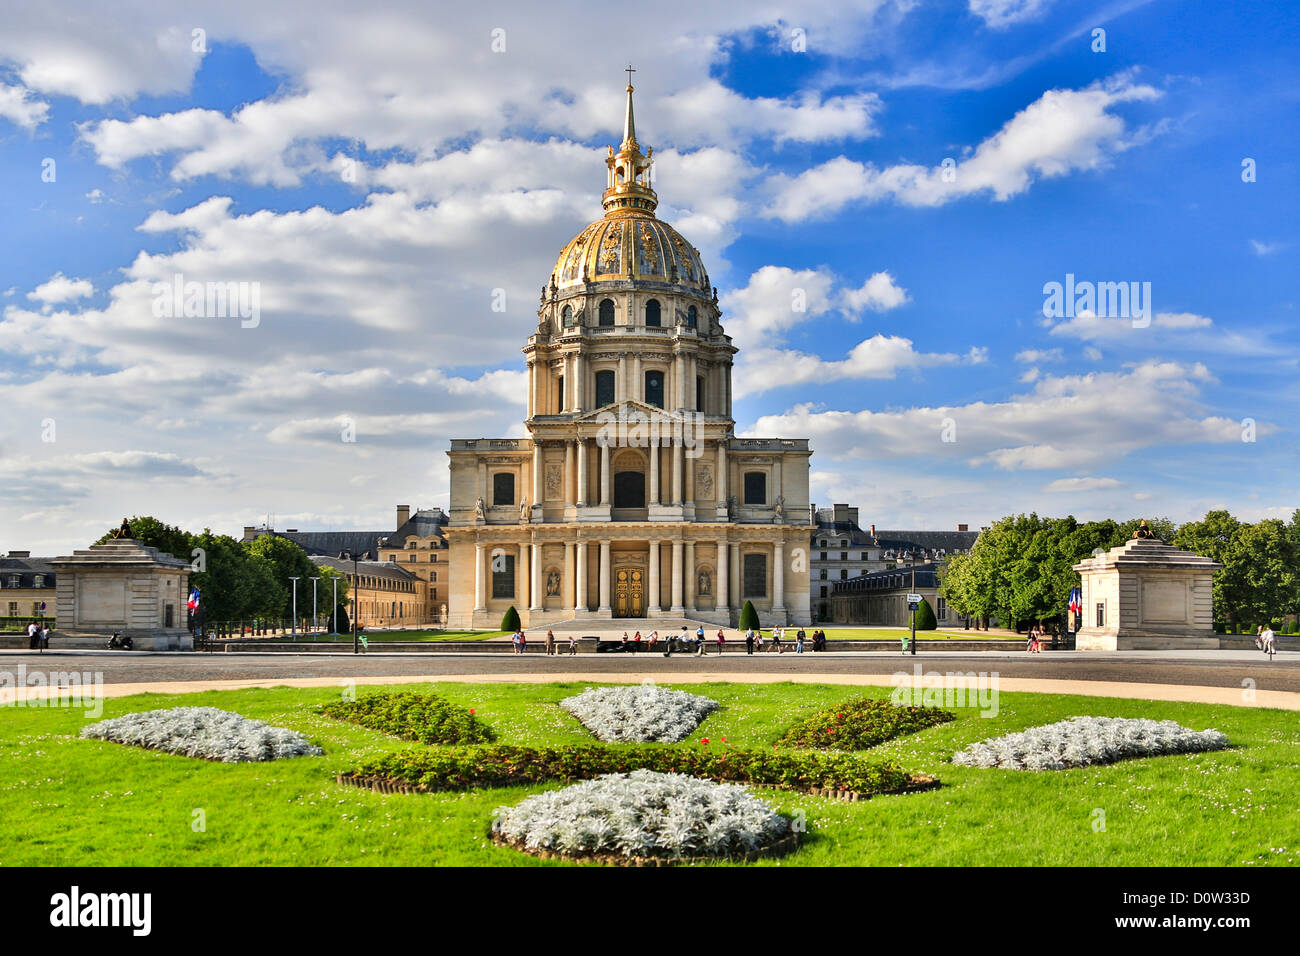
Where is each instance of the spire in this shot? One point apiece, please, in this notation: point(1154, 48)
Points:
point(627, 188)
point(629, 122)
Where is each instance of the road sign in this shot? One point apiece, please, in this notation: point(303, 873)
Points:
point(914, 599)
point(912, 605)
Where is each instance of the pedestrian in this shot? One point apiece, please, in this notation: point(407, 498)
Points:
point(573, 646)
point(523, 641)
point(45, 636)
point(798, 642)
point(699, 641)
point(776, 641)
point(749, 642)
point(722, 641)
point(758, 640)
point(1031, 639)
point(550, 643)
point(1267, 638)
point(32, 639)
point(514, 640)
point(636, 643)
point(626, 642)
point(654, 639)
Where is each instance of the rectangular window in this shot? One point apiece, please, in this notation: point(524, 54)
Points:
point(435, 576)
point(604, 388)
point(503, 488)
point(844, 555)
point(1101, 614)
point(433, 557)
point(823, 555)
point(823, 590)
point(755, 488)
point(844, 575)
point(941, 608)
point(13, 608)
point(412, 558)
point(822, 572)
point(864, 557)
point(755, 583)
point(560, 400)
point(503, 575)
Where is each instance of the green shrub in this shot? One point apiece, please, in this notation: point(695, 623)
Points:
point(426, 718)
point(925, 620)
point(506, 764)
point(345, 625)
point(748, 617)
point(861, 723)
point(1292, 627)
point(510, 622)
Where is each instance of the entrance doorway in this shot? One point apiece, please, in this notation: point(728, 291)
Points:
point(629, 592)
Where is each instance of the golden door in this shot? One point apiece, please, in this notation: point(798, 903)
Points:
point(629, 592)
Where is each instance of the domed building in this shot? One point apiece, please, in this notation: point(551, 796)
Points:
point(631, 497)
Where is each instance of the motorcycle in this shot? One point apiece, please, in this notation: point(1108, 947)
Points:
point(120, 642)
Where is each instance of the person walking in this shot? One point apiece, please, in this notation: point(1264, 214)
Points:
point(550, 643)
point(45, 636)
point(749, 642)
point(798, 642)
point(514, 640)
point(722, 641)
point(776, 641)
point(573, 645)
point(1267, 639)
point(654, 639)
point(32, 640)
point(523, 641)
point(699, 642)
point(636, 643)
point(758, 640)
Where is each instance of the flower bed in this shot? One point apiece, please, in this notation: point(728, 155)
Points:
point(641, 817)
point(426, 718)
point(840, 774)
point(639, 714)
point(861, 723)
point(203, 732)
point(1081, 741)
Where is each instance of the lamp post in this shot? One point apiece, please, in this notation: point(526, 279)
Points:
point(314, 618)
point(911, 561)
point(293, 625)
point(355, 558)
point(335, 628)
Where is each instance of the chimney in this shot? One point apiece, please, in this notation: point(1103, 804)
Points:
point(20, 554)
point(873, 531)
point(962, 527)
point(249, 532)
point(403, 514)
point(853, 515)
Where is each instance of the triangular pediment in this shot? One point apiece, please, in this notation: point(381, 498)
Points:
point(628, 409)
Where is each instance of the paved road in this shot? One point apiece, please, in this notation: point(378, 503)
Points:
point(1202, 668)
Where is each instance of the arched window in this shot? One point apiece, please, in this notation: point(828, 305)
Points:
point(604, 388)
point(606, 311)
point(568, 315)
point(692, 316)
point(654, 388)
point(652, 312)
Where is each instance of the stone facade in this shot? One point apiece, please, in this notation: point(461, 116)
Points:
point(631, 497)
point(1147, 595)
point(123, 585)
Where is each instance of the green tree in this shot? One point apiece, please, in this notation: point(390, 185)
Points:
point(510, 621)
point(748, 617)
point(1262, 556)
point(1215, 536)
point(925, 619)
point(287, 561)
point(234, 585)
point(153, 533)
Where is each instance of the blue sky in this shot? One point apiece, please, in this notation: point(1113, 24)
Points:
point(378, 176)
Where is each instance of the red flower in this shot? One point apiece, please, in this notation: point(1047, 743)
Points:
point(471, 710)
point(840, 716)
point(704, 740)
point(724, 738)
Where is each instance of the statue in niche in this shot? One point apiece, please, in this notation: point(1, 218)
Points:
point(732, 504)
point(553, 583)
point(779, 508)
point(480, 509)
point(705, 585)
point(525, 513)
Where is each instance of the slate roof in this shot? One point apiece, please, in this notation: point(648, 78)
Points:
point(899, 579)
point(422, 524)
point(330, 543)
point(26, 569)
point(378, 569)
point(949, 541)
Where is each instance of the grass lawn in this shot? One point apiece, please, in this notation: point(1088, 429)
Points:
point(71, 802)
point(381, 636)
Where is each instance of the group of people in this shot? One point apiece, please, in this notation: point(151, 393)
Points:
point(1034, 643)
point(520, 641)
point(1265, 640)
point(38, 635)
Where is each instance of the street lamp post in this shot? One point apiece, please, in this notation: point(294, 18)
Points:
point(293, 625)
point(911, 560)
point(335, 628)
point(355, 558)
point(314, 618)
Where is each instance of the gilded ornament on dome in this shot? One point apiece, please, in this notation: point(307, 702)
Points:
point(610, 248)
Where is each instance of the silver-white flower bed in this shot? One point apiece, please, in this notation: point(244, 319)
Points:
point(639, 713)
point(643, 814)
point(1082, 741)
point(203, 732)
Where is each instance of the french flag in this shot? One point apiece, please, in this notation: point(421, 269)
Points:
point(194, 599)
point(1076, 601)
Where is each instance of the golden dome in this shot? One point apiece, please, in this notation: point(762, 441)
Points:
point(629, 247)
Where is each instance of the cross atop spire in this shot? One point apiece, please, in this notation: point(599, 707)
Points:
point(629, 122)
point(628, 189)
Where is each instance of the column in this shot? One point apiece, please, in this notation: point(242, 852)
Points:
point(582, 472)
point(532, 389)
point(570, 456)
point(604, 474)
point(621, 390)
point(580, 598)
point(679, 373)
point(723, 578)
point(776, 478)
point(677, 470)
point(778, 577)
point(537, 473)
point(721, 479)
point(538, 595)
point(579, 383)
point(655, 603)
point(569, 593)
point(688, 479)
point(677, 607)
point(636, 384)
point(483, 484)
point(479, 557)
point(604, 577)
point(521, 575)
point(654, 471)
point(737, 592)
point(688, 575)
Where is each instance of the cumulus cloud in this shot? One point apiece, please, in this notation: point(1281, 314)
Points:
point(19, 107)
point(1184, 331)
point(1081, 484)
point(59, 288)
point(1061, 132)
point(879, 294)
point(999, 14)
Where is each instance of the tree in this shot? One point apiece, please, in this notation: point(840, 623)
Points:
point(748, 617)
point(925, 619)
point(234, 585)
point(1214, 536)
point(1262, 556)
point(287, 561)
point(153, 533)
point(510, 622)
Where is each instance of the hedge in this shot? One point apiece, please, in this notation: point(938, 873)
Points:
point(426, 718)
point(861, 723)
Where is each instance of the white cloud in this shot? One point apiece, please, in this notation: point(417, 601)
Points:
point(1063, 131)
point(1081, 484)
point(60, 288)
point(1261, 248)
point(879, 293)
point(999, 14)
point(19, 107)
point(1031, 356)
